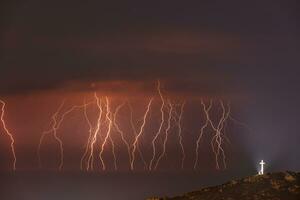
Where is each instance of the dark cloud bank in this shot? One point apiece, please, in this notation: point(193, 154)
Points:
point(223, 46)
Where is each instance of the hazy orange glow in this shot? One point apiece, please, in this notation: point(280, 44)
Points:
point(109, 124)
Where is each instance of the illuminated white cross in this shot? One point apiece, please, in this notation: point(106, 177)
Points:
point(262, 163)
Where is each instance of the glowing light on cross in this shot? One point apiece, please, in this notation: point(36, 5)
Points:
point(262, 163)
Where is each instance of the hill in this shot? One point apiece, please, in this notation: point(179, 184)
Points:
point(271, 186)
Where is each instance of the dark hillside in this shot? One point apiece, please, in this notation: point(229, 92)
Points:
point(272, 186)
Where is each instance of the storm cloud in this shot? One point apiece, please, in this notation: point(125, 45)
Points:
point(224, 47)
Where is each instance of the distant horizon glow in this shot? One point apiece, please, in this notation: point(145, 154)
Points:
point(119, 123)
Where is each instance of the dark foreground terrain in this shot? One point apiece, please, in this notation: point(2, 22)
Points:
point(272, 186)
point(67, 185)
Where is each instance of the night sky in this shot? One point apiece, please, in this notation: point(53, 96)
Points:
point(242, 52)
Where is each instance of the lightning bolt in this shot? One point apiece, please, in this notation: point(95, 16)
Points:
point(55, 126)
point(166, 135)
point(110, 122)
point(111, 126)
point(135, 135)
point(7, 132)
point(58, 126)
point(136, 141)
point(206, 111)
point(89, 138)
point(180, 134)
point(217, 139)
point(238, 122)
point(160, 126)
point(53, 129)
point(113, 152)
point(221, 125)
point(90, 162)
point(119, 107)
point(60, 146)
